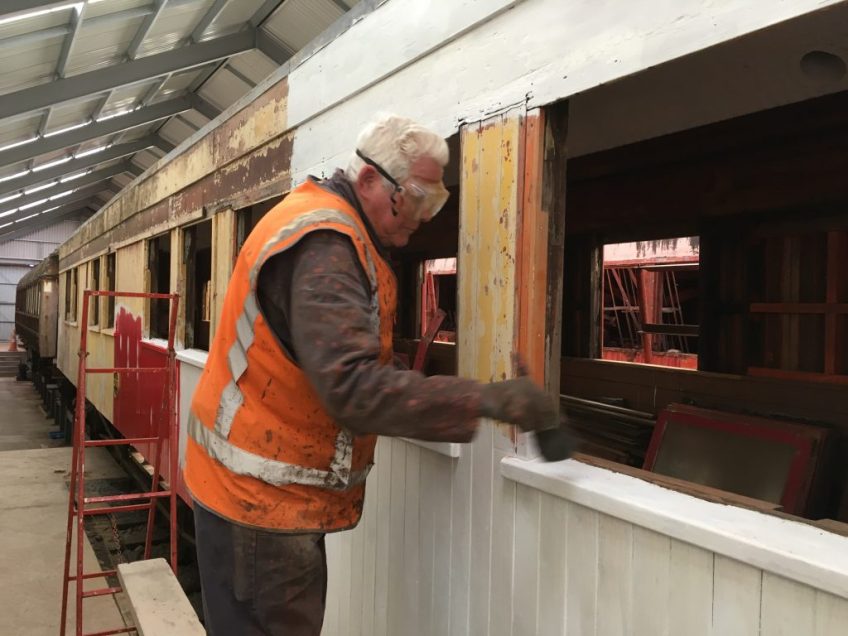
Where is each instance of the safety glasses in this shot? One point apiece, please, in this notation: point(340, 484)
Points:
point(418, 199)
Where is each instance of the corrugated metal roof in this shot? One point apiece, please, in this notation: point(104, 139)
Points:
point(83, 39)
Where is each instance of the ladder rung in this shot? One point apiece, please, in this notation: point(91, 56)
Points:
point(103, 591)
point(107, 510)
point(129, 497)
point(118, 442)
point(110, 632)
point(127, 370)
point(95, 575)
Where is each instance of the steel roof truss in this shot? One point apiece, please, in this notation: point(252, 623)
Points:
point(144, 29)
point(94, 82)
point(94, 131)
point(75, 165)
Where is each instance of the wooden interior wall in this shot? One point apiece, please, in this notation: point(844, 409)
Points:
point(781, 159)
point(724, 182)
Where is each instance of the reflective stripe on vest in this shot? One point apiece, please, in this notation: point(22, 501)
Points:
point(277, 473)
point(216, 442)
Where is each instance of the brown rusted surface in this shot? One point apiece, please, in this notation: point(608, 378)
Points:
point(264, 171)
point(249, 150)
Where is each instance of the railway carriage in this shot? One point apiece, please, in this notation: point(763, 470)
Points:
point(37, 312)
point(572, 125)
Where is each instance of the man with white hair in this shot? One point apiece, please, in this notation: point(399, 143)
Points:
point(300, 380)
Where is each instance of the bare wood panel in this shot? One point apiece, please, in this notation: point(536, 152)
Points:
point(223, 255)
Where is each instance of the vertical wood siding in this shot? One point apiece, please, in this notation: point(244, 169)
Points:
point(576, 572)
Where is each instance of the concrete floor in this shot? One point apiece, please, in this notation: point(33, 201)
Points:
point(33, 519)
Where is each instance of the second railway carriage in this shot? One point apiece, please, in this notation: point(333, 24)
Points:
point(37, 311)
point(709, 500)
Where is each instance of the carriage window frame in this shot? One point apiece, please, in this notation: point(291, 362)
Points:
point(199, 296)
point(110, 273)
point(154, 263)
point(94, 282)
point(71, 296)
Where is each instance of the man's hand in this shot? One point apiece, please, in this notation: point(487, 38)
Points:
point(520, 402)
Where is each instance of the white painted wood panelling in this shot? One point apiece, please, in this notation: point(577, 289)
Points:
point(737, 590)
point(575, 571)
point(435, 61)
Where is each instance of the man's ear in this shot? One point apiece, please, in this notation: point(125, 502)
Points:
point(366, 177)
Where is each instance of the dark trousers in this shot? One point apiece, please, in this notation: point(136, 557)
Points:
point(258, 583)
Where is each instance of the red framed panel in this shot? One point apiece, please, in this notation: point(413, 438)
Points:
point(803, 441)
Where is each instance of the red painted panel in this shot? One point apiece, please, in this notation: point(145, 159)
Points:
point(140, 403)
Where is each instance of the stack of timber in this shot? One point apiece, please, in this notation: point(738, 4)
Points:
point(608, 429)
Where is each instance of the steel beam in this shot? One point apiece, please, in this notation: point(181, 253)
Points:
point(272, 47)
point(94, 131)
point(208, 18)
point(203, 107)
point(264, 12)
point(94, 177)
point(101, 80)
point(70, 40)
point(144, 29)
point(83, 194)
point(75, 165)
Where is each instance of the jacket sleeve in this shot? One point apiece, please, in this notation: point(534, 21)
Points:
point(337, 346)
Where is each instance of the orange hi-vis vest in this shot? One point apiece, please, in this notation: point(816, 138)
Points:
point(262, 450)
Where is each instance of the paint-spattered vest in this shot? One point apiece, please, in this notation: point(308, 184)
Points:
point(261, 449)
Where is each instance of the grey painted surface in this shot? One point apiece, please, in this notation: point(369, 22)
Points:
point(16, 259)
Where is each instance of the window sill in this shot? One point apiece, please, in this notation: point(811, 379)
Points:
point(788, 548)
point(71, 323)
point(156, 343)
point(194, 357)
point(449, 449)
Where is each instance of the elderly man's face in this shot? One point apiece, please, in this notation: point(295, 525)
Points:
point(376, 198)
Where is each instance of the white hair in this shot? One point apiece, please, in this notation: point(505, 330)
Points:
point(395, 143)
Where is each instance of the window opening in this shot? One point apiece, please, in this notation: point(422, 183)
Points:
point(426, 270)
point(159, 268)
point(438, 291)
point(651, 302)
point(247, 218)
point(71, 295)
point(94, 309)
point(110, 286)
point(197, 259)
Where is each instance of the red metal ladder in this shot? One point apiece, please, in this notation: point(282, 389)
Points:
point(77, 501)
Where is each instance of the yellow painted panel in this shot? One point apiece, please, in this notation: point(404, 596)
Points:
point(487, 247)
point(223, 253)
point(466, 261)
